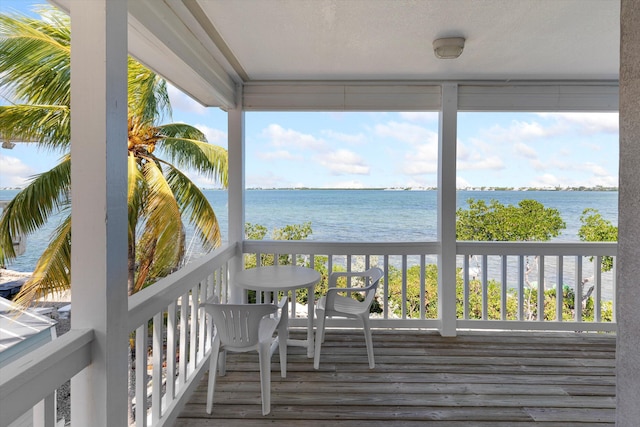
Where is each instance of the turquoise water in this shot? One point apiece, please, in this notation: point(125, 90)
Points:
point(363, 215)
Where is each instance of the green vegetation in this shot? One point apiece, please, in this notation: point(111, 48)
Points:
point(597, 229)
point(35, 69)
point(530, 220)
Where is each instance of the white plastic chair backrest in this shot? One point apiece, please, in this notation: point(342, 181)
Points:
point(238, 325)
point(371, 276)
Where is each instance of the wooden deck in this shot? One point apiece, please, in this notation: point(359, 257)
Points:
point(420, 378)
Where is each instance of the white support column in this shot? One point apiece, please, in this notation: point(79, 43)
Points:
point(447, 209)
point(99, 207)
point(236, 183)
point(628, 261)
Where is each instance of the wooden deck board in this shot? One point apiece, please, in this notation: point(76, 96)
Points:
point(475, 379)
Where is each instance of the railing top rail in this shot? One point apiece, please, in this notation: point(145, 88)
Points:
point(537, 248)
point(343, 248)
point(145, 304)
point(414, 248)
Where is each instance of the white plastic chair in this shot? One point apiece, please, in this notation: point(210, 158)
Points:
point(243, 328)
point(333, 304)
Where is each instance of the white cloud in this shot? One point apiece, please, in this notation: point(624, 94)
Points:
point(481, 163)
point(605, 181)
point(479, 156)
point(289, 138)
point(424, 160)
point(181, 101)
point(586, 123)
point(278, 155)
point(407, 132)
point(525, 150)
point(353, 139)
point(214, 136)
point(267, 180)
point(546, 180)
point(518, 131)
point(595, 169)
point(344, 162)
point(13, 173)
point(420, 116)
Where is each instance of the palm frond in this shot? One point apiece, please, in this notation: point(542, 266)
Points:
point(35, 58)
point(136, 195)
point(31, 207)
point(163, 221)
point(148, 96)
point(194, 203)
point(207, 159)
point(52, 274)
point(47, 125)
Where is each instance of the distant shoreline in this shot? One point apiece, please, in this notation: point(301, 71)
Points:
point(406, 189)
point(613, 189)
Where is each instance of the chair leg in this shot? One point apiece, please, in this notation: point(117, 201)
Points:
point(368, 341)
point(283, 337)
point(265, 376)
point(213, 362)
point(222, 363)
point(319, 338)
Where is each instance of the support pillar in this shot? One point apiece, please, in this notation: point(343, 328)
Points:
point(447, 141)
point(99, 207)
point(236, 185)
point(628, 262)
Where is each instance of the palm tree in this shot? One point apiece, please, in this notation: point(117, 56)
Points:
point(35, 70)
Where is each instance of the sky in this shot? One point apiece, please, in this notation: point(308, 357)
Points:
point(387, 149)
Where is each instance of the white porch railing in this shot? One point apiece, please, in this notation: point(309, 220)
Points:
point(172, 336)
point(500, 285)
point(172, 341)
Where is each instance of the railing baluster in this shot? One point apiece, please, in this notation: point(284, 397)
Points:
point(44, 413)
point(579, 289)
point(404, 286)
point(504, 288)
point(465, 279)
point(597, 293)
point(141, 376)
point(559, 289)
point(386, 286)
point(613, 289)
point(193, 329)
point(202, 335)
point(183, 350)
point(521, 273)
point(156, 377)
point(423, 274)
point(541, 289)
point(485, 289)
point(171, 352)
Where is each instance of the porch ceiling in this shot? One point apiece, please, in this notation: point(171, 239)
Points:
point(205, 47)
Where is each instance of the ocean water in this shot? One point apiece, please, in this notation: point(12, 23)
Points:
point(361, 215)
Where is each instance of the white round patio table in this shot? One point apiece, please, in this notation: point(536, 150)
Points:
point(284, 278)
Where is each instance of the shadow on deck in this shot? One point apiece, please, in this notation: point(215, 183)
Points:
point(421, 378)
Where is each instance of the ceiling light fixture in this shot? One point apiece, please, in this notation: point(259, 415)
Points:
point(448, 48)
